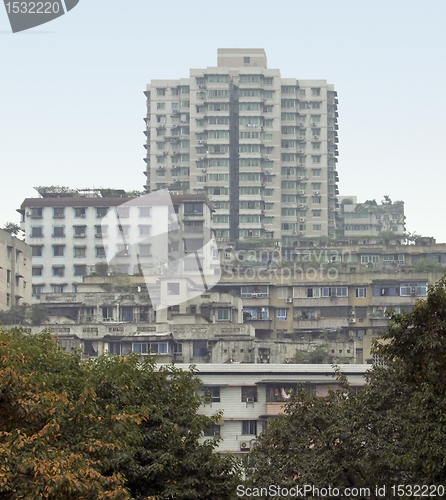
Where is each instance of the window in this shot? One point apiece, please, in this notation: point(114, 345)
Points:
point(200, 348)
point(361, 292)
point(316, 159)
point(80, 270)
point(145, 250)
point(160, 105)
point(340, 291)
point(58, 212)
point(215, 430)
point(413, 289)
point(282, 314)
point(144, 230)
point(249, 427)
point(37, 250)
point(37, 271)
point(37, 289)
point(107, 313)
point(79, 231)
point(58, 250)
point(80, 251)
point(101, 212)
point(315, 91)
point(173, 289)
point(160, 91)
point(366, 259)
point(223, 314)
point(249, 394)
point(211, 394)
point(58, 288)
point(59, 271)
point(123, 212)
point(36, 213)
point(317, 227)
point(193, 208)
point(100, 251)
point(37, 232)
point(58, 231)
point(80, 212)
point(246, 60)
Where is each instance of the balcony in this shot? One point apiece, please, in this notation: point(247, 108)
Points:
point(256, 302)
point(320, 323)
point(274, 409)
point(389, 300)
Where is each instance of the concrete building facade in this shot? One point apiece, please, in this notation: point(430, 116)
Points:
point(15, 271)
point(263, 148)
point(80, 233)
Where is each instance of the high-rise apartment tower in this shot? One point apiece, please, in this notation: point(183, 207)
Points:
point(263, 148)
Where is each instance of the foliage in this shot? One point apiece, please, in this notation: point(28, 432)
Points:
point(347, 201)
point(392, 432)
point(387, 236)
point(427, 265)
point(25, 314)
point(12, 228)
point(317, 356)
point(54, 190)
point(109, 428)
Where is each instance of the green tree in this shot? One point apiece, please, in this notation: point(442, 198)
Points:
point(12, 228)
point(111, 428)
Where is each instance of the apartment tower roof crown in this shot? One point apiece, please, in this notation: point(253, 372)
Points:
point(235, 58)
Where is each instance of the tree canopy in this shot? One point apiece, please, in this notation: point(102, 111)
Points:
point(391, 432)
point(110, 428)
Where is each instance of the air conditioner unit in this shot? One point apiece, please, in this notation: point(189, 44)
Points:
point(203, 170)
point(352, 320)
point(317, 192)
point(83, 216)
point(316, 137)
point(302, 219)
point(289, 301)
point(174, 126)
point(301, 205)
point(302, 192)
point(301, 151)
point(250, 400)
point(245, 446)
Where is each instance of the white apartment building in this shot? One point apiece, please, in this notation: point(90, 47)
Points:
point(71, 234)
point(263, 148)
point(251, 394)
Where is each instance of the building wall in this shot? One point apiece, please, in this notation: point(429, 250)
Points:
point(263, 148)
point(15, 271)
point(71, 235)
point(241, 418)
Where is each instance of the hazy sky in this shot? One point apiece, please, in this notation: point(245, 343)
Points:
point(72, 103)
